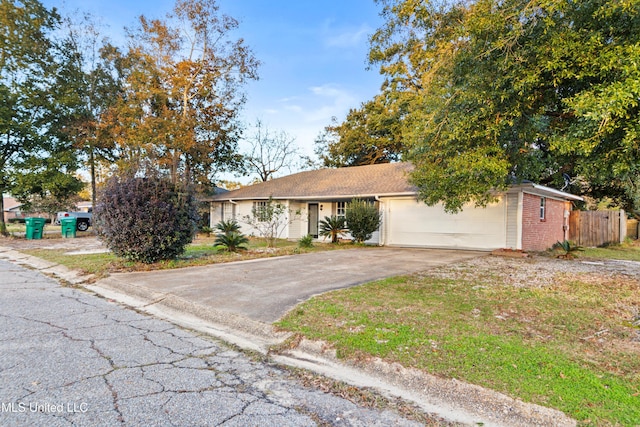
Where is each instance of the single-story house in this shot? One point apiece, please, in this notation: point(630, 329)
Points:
point(11, 208)
point(527, 216)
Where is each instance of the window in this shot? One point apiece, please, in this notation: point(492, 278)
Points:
point(342, 209)
point(543, 206)
point(260, 210)
point(228, 211)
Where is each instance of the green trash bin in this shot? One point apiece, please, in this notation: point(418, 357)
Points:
point(68, 226)
point(35, 227)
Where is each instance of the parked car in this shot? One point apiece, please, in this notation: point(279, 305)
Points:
point(83, 219)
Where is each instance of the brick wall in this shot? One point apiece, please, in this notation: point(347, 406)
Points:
point(537, 234)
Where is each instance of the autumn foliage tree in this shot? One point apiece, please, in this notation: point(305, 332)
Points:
point(181, 95)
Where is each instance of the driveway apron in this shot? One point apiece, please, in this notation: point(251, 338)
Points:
point(264, 290)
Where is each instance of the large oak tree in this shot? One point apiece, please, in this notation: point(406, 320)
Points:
point(516, 89)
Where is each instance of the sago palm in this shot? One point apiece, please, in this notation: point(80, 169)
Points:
point(232, 241)
point(333, 227)
point(228, 226)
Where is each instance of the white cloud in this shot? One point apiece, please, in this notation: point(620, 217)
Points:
point(348, 38)
point(329, 101)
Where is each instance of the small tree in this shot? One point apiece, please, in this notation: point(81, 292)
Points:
point(270, 219)
point(145, 219)
point(363, 219)
point(333, 227)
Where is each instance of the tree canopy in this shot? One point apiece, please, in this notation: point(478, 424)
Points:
point(501, 91)
point(371, 134)
point(36, 107)
point(181, 93)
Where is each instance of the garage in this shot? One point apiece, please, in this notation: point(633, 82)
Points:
point(410, 223)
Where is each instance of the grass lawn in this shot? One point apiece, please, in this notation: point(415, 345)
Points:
point(201, 252)
point(629, 251)
point(572, 344)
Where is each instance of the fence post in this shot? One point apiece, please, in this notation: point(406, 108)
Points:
point(623, 225)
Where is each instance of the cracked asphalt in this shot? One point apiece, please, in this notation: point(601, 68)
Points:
point(70, 358)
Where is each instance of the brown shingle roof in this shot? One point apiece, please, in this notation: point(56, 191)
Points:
point(356, 181)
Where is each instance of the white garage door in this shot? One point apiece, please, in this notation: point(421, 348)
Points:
point(411, 223)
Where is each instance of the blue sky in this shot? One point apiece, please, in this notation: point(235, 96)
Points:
point(313, 54)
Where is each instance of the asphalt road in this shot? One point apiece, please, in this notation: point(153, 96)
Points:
point(69, 358)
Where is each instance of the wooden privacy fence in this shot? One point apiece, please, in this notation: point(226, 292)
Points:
point(632, 228)
point(597, 228)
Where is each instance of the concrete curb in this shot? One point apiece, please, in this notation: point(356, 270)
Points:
point(451, 399)
point(238, 330)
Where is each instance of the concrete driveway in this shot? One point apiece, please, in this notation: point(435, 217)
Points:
point(264, 290)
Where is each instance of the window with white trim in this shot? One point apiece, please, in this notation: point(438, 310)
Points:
point(228, 211)
point(341, 210)
point(543, 208)
point(260, 210)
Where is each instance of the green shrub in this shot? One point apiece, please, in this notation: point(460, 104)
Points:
point(363, 219)
point(231, 241)
point(205, 229)
point(16, 221)
point(306, 241)
point(333, 227)
point(145, 219)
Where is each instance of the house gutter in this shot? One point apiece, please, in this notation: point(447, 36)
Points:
point(556, 193)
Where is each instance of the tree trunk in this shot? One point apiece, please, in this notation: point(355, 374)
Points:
point(92, 164)
point(3, 225)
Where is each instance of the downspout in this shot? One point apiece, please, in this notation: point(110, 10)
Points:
point(381, 231)
point(233, 212)
point(211, 212)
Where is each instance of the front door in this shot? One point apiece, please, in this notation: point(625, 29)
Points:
point(313, 219)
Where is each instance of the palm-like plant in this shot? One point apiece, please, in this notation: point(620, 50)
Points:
point(228, 226)
point(232, 241)
point(569, 248)
point(333, 227)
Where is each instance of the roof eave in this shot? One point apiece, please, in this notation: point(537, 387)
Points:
point(548, 191)
point(317, 197)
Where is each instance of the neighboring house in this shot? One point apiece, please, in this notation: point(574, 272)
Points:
point(11, 208)
point(14, 209)
point(527, 216)
point(84, 206)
